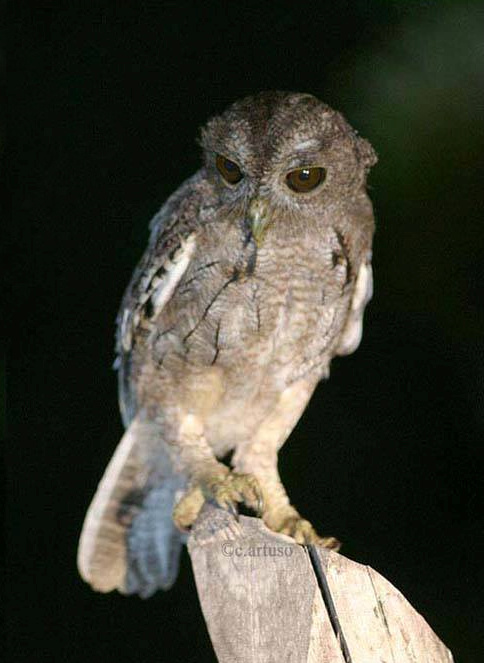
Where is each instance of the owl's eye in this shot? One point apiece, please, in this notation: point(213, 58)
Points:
point(228, 169)
point(305, 179)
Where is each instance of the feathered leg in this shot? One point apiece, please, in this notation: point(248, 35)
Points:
point(259, 458)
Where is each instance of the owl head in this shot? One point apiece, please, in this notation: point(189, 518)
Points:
point(283, 153)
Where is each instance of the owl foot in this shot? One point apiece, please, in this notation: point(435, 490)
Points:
point(225, 490)
point(187, 509)
point(300, 530)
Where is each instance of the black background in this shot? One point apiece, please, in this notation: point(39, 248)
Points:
point(106, 103)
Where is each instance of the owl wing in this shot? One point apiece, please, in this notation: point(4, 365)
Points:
point(128, 541)
point(362, 293)
point(170, 249)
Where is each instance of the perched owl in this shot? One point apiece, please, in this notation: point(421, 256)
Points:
point(256, 274)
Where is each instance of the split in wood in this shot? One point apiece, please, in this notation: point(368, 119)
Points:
point(266, 598)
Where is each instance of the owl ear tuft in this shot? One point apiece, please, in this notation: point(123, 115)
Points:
point(366, 153)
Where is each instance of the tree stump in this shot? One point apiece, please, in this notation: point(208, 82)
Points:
point(266, 599)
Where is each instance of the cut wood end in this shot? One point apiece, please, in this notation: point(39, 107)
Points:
point(312, 605)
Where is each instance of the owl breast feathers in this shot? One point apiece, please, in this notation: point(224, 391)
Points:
point(256, 274)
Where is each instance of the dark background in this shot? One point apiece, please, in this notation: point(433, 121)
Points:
point(106, 103)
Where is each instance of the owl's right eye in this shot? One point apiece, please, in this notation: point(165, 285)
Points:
point(305, 179)
point(228, 169)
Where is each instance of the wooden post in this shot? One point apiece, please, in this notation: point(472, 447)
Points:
point(266, 599)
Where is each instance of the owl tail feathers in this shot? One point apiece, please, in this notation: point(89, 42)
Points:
point(128, 540)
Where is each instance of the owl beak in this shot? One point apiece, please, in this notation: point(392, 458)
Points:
point(258, 219)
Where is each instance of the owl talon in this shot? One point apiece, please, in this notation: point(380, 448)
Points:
point(235, 488)
point(187, 509)
point(330, 542)
point(301, 531)
point(224, 490)
point(260, 506)
point(231, 507)
point(246, 489)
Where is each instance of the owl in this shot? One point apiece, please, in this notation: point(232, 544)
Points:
point(256, 274)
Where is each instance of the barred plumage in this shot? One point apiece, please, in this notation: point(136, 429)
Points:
point(248, 288)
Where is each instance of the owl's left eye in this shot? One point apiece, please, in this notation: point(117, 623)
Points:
point(228, 169)
point(305, 179)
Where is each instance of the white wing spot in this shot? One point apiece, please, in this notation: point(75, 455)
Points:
point(126, 332)
point(158, 289)
point(174, 270)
